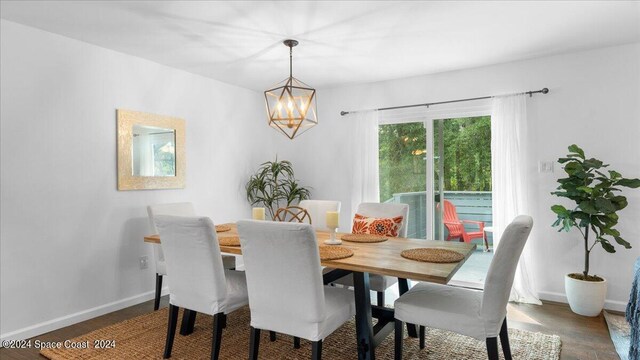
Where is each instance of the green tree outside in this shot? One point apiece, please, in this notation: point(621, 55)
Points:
point(467, 155)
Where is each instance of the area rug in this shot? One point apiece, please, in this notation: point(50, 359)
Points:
point(143, 337)
point(620, 333)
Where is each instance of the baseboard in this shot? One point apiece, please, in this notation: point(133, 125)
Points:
point(51, 325)
point(562, 298)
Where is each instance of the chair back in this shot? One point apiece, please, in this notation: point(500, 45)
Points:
point(450, 212)
point(193, 259)
point(284, 277)
point(387, 210)
point(451, 219)
point(317, 209)
point(292, 214)
point(176, 209)
point(497, 286)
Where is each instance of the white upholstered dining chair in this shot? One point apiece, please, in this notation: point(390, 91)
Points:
point(380, 283)
point(476, 313)
point(286, 292)
point(199, 281)
point(176, 209)
point(317, 209)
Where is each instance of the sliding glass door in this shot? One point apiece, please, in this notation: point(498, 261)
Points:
point(428, 162)
point(402, 151)
point(461, 181)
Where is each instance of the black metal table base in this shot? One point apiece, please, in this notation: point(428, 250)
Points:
point(369, 336)
point(364, 325)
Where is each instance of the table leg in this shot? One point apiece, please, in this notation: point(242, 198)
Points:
point(364, 324)
point(403, 287)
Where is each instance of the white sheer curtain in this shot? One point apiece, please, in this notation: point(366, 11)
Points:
point(365, 185)
point(509, 161)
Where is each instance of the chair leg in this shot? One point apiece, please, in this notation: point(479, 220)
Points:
point(492, 348)
point(171, 330)
point(504, 340)
point(254, 343)
point(156, 303)
point(219, 321)
point(399, 332)
point(380, 298)
point(316, 350)
point(296, 342)
point(403, 287)
point(272, 336)
point(188, 322)
point(422, 337)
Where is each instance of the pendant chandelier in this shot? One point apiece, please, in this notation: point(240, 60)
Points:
point(291, 104)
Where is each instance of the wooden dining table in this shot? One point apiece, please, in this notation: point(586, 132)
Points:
point(382, 258)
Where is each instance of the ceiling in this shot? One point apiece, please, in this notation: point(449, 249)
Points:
point(340, 41)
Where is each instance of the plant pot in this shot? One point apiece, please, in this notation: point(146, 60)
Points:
point(585, 297)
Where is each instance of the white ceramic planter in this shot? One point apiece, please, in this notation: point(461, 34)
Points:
point(585, 297)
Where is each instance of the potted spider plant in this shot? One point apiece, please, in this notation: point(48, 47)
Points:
point(597, 202)
point(274, 185)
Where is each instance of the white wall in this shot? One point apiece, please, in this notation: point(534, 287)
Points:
point(70, 241)
point(594, 102)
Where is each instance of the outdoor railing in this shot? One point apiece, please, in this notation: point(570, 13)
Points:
point(471, 205)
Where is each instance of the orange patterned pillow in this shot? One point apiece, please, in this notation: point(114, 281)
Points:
point(376, 226)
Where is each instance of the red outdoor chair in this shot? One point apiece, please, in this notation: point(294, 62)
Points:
point(456, 226)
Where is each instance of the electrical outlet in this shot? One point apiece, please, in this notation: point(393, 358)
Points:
point(545, 166)
point(144, 262)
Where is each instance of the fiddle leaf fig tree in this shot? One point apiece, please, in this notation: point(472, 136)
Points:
point(274, 184)
point(597, 199)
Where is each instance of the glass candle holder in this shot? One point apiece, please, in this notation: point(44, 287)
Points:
point(332, 222)
point(257, 213)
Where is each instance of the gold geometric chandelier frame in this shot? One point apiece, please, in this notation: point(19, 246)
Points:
point(291, 104)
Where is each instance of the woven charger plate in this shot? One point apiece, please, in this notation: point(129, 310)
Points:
point(334, 252)
point(229, 241)
point(432, 255)
point(364, 238)
point(222, 228)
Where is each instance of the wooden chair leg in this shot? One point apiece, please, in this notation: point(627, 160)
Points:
point(403, 287)
point(399, 333)
point(156, 302)
point(188, 322)
point(380, 298)
point(254, 343)
point(316, 350)
point(492, 348)
point(272, 336)
point(504, 340)
point(171, 330)
point(422, 336)
point(219, 321)
point(296, 342)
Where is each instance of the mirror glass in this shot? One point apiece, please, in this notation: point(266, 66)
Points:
point(153, 151)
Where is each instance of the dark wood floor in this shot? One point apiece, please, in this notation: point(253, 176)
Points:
point(582, 338)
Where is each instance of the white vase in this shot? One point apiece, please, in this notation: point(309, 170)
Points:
point(585, 297)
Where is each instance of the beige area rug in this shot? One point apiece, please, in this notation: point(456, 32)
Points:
point(143, 337)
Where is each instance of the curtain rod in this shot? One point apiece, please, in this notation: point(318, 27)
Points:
point(343, 113)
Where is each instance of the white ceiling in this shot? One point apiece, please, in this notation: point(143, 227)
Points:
point(340, 41)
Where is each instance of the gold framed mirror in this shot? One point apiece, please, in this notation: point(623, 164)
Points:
point(151, 151)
